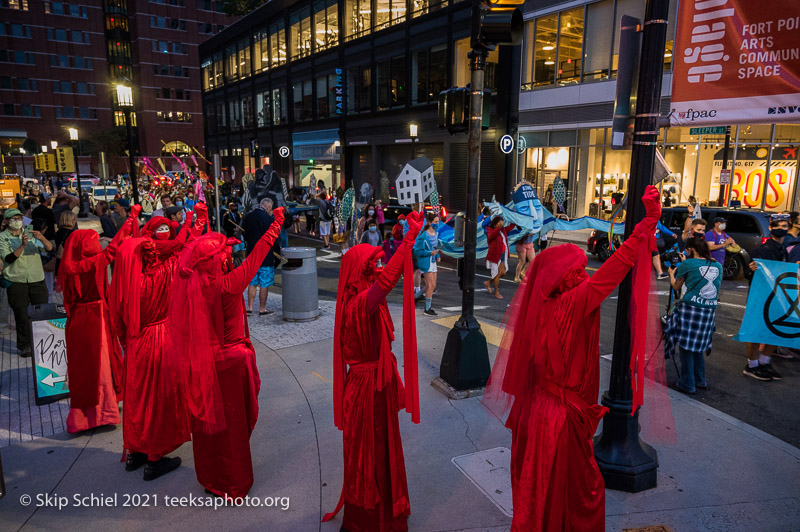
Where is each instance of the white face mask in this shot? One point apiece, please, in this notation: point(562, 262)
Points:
point(722, 227)
point(15, 225)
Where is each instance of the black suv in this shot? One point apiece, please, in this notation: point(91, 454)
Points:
point(748, 227)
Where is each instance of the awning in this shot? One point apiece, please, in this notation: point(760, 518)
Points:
point(13, 133)
point(320, 145)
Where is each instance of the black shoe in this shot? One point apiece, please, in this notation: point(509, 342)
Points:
point(153, 470)
point(767, 369)
point(757, 373)
point(430, 312)
point(134, 461)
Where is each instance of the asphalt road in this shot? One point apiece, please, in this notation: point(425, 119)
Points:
point(770, 406)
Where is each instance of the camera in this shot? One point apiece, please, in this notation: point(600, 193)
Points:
point(672, 256)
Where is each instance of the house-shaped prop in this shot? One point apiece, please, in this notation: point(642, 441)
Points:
point(415, 181)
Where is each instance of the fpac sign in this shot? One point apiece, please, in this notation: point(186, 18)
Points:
point(736, 61)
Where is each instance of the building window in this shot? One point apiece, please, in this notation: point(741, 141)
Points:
point(359, 90)
point(218, 72)
point(234, 115)
point(119, 119)
point(428, 74)
point(358, 18)
point(247, 112)
point(544, 60)
point(173, 116)
point(278, 106)
point(231, 64)
point(423, 7)
point(300, 27)
point(116, 22)
point(62, 8)
point(303, 99)
point(461, 74)
point(389, 12)
point(326, 24)
point(207, 68)
point(205, 27)
point(25, 84)
point(244, 58)
point(326, 96)
point(262, 109)
point(597, 40)
point(158, 22)
point(570, 42)
point(20, 58)
point(392, 83)
point(8, 109)
point(18, 30)
point(221, 118)
point(277, 44)
point(633, 8)
point(21, 5)
point(261, 51)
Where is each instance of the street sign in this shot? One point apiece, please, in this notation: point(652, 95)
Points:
point(522, 145)
point(45, 162)
point(65, 162)
point(506, 144)
point(718, 130)
point(283, 151)
point(724, 176)
point(49, 353)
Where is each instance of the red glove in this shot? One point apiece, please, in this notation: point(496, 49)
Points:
point(415, 220)
point(136, 210)
point(652, 207)
point(200, 222)
point(280, 215)
point(274, 230)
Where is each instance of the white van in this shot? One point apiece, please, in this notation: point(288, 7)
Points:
point(102, 193)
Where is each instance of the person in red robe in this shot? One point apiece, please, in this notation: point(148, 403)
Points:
point(94, 361)
point(159, 228)
point(547, 372)
point(366, 398)
point(211, 342)
point(155, 420)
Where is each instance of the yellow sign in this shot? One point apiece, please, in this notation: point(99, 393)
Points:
point(65, 163)
point(46, 162)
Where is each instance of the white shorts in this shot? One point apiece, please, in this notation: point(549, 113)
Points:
point(324, 228)
point(433, 268)
point(494, 267)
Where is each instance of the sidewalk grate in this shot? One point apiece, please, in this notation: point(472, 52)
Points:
point(490, 471)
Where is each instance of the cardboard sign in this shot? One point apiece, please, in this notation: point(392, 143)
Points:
point(49, 353)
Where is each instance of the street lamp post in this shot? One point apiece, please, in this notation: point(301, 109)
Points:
point(412, 132)
point(125, 101)
point(73, 136)
point(22, 156)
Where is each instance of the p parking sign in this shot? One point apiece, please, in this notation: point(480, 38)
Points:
point(506, 144)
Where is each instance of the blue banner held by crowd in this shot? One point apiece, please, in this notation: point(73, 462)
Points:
point(772, 315)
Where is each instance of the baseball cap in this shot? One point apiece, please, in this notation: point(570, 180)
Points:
point(125, 203)
point(171, 211)
point(10, 213)
point(720, 220)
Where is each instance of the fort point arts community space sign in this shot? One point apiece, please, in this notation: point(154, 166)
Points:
point(736, 61)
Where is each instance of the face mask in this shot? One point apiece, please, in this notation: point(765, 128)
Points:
point(699, 233)
point(402, 223)
point(179, 204)
point(373, 229)
point(15, 225)
point(722, 227)
point(778, 233)
point(370, 212)
point(162, 236)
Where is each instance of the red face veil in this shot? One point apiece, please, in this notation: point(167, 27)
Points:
point(81, 244)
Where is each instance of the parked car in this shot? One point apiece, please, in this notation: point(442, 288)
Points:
point(748, 227)
point(100, 193)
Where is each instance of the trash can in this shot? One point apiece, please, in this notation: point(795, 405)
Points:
point(300, 297)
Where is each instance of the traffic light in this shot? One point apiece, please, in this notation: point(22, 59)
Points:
point(454, 109)
point(499, 23)
point(254, 148)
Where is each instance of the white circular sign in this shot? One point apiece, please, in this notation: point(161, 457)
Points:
point(522, 145)
point(506, 144)
point(283, 151)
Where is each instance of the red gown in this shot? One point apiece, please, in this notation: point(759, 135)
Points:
point(94, 364)
point(221, 440)
point(374, 489)
point(549, 364)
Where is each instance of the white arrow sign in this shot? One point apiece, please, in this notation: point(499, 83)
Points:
point(51, 380)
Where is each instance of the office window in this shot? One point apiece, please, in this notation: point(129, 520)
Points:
point(461, 73)
point(180, 72)
point(389, 12)
point(177, 24)
point(262, 109)
point(326, 24)
point(231, 64)
point(204, 5)
point(544, 60)
point(80, 37)
point(180, 48)
point(633, 8)
point(277, 44)
point(207, 69)
point(164, 93)
point(247, 112)
point(161, 46)
point(183, 94)
point(81, 87)
point(261, 51)
point(423, 7)
point(18, 30)
point(158, 22)
point(25, 84)
point(278, 106)
point(114, 22)
point(391, 83)
point(359, 90)
point(428, 74)
point(21, 5)
point(205, 27)
point(56, 34)
point(234, 115)
point(218, 72)
point(597, 38)
point(302, 98)
point(244, 58)
point(222, 122)
point(323, 98)
point(300, 27)
point(570, 42)
point(357, 18)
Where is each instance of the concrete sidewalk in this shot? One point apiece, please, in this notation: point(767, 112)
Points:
point(722, 474)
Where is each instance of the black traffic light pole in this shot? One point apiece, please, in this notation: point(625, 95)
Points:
point(465, 361)
point(627, 463)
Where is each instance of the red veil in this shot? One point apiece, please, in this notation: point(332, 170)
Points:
point(82, 244)
point(153, 223)
point(196, 325)
point(357, 274)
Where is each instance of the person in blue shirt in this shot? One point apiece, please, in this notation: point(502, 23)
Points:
point(426, 253)
point(661, 228)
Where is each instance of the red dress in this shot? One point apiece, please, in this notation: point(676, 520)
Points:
point(94, 364)
point(548, 366)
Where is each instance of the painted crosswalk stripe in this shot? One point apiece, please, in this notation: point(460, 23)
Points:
point(456, 309)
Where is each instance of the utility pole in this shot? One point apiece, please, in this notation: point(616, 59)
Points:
point(722, 195)
point(626, 462)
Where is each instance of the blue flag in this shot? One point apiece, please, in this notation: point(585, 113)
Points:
point(772, 315)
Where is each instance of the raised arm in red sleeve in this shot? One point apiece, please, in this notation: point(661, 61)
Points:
point(124, 233)
point(200, 222)
point(614, 270)
point(235, 282)
point(394, 269)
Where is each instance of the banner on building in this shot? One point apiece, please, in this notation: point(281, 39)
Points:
point(736, 61)
point(772, 315)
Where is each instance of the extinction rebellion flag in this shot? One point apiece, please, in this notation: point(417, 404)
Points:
point(772, 315)
point(736, 61)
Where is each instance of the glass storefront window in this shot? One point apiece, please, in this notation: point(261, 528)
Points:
point(326, 24)
point(597, 40)
point(300, 37)
point(261, 51)
point(389, 12)
point(358, 18)
point(244, 58)
point(359, 90)
point(277, 44)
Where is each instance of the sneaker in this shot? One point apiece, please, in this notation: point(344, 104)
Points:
point(430, 312)
point(757, 373)
point(784, 352)
point(134, 461)
point(662, 276)
point(419, 295)
point(153, 470)
point(767, 369)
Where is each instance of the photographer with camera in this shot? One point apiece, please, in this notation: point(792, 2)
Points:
point(691, 325)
